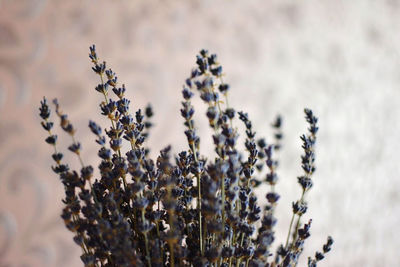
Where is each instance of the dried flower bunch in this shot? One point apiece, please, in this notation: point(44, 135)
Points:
point(185, 211)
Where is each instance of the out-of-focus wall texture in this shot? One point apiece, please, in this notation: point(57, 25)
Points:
point(340, 58)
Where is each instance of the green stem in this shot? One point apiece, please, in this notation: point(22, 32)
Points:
point(291, 223)
point(238, 262)
point(290, 230)
point(171, 245)
point(241, 244)
point(298, 219)
point(171, 248)
point(223, 205)
point(146, 242)
point(159, 240)
point(193, 147)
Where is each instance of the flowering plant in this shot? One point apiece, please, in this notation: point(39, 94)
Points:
point(185, 211)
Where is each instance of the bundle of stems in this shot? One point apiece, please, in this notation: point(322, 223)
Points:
point(182, 210)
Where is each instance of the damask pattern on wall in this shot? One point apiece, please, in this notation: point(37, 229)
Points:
point(337, 57)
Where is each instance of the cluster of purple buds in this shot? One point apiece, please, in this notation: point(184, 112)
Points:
point(182, 210)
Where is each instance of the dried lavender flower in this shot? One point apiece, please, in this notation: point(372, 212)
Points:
point(190, 210)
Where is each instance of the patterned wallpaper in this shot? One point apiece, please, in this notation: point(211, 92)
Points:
point(340, 58)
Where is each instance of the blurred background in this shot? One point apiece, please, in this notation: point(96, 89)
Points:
point(340, 58)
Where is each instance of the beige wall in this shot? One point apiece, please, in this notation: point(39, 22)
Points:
point(340, 58)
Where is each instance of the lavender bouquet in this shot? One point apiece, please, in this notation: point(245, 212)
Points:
point(179, 210)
